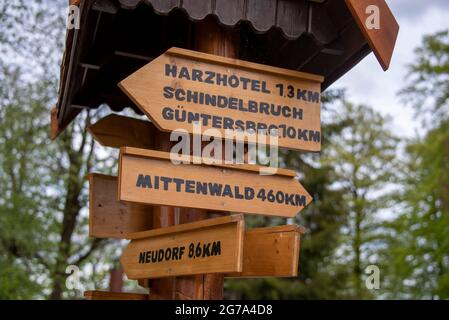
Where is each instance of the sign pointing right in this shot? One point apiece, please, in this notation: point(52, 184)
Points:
point(149, 177)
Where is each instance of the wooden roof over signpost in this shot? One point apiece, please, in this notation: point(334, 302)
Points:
point(118, 37)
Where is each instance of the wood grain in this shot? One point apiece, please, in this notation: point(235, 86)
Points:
point(271, 252)
point(220, 243)
point(163, 288)
point(275, 195)
point(382, 41)
point(110, 218)
point(104, 295)
point(146, 88)
point(118, 131)
point(192, 159)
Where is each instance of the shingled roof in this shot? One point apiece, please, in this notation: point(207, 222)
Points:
point(117, 37)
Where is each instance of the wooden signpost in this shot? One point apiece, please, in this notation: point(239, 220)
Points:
point(207, 246)
point(179, 249)
point(122, 208)
point(183, 86)
point(149, 177)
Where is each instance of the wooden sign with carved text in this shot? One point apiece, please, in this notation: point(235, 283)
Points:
point(207, 246)
point(181, 87)
point(150, 177)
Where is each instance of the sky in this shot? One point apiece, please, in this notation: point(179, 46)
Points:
point(367, 83)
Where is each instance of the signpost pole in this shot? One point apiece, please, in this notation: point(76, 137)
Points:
point(163, 216)
point(208, 37)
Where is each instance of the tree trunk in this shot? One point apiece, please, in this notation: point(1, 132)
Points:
point(72, 207)
point(357, 255)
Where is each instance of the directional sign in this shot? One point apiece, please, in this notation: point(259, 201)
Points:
point(110, 218)
point(207, 246)
point(271, 252)
point(150, 177)
point(182, 87)
point(118, 131)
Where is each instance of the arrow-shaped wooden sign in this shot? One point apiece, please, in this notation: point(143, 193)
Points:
point(207, 246)
point(150, 177)
point(182, 87)
point(117, 131)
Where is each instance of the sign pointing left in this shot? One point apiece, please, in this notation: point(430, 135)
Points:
point(117, 131)
point(226, 96)
point(207, 246)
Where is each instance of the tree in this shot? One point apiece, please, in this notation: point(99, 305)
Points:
point(43, 192)
point(363, 158)
point(43, 223)
point(75, 158)
point(419, 246)
point(428, 88)
point(319, 277)
point(23, 203)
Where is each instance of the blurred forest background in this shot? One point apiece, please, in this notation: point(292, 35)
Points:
point(379, 198)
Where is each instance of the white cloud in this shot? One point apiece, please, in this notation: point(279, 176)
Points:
point(412, 9)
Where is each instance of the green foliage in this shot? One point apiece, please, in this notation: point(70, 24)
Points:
point(418, 251)
point(32, 35)
point(322, 218)
point(346, 181)
point(428, 88)
point(43, 187)
point(363, 158)
point(23, 201)
point(43, 190)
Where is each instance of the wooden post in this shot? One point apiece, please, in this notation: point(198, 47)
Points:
point(208, 37)
point(163, 217)
point(212, 38)
point(116, 280)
